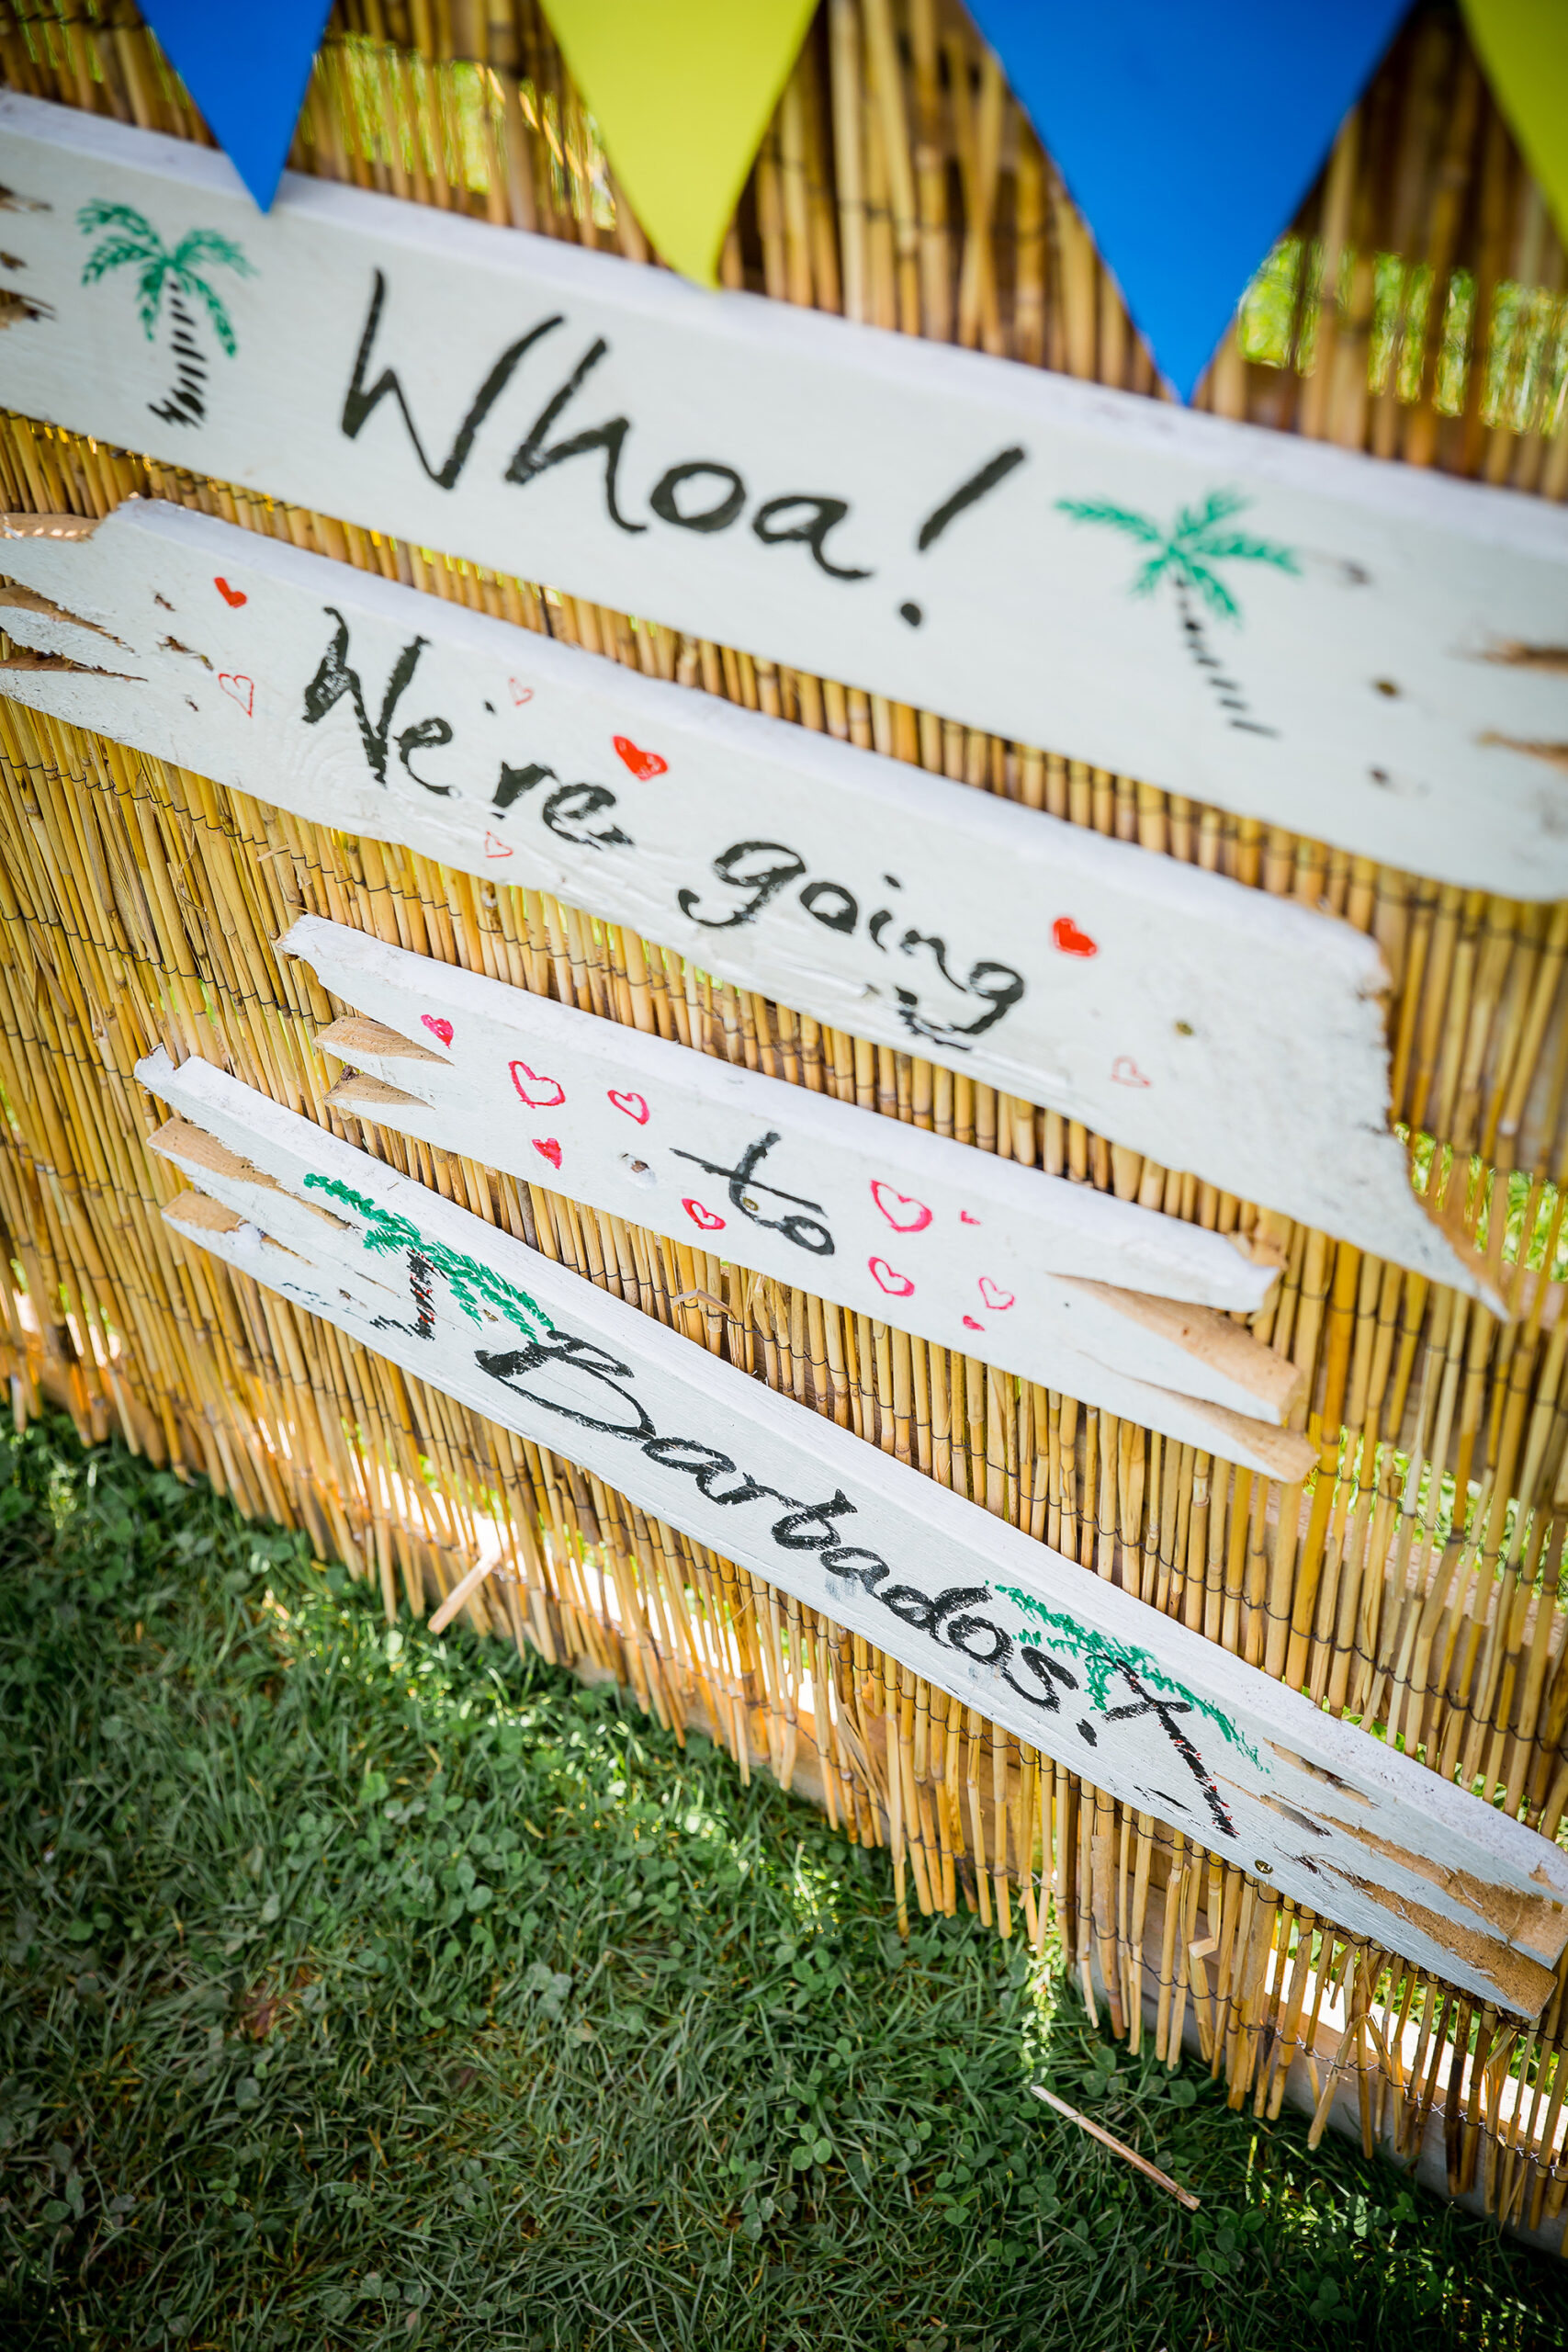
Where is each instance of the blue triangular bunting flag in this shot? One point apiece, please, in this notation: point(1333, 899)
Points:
point(247, 68)
point(1187, 136)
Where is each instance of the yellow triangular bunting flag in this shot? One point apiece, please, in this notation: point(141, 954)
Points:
point(1523, 44)
point(681, 91)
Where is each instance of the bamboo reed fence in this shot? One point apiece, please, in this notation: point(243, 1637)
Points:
point(1418, 310)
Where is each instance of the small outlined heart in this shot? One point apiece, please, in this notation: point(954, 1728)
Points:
point(1071, 940)
point(964, 1217)
point(494, 847)
point(903, 1213)
point(994, 1295)
point(549, 1150)
point(1125, 1072)
point(520, 695)
point(970, 1324)
point(438, 1027)
point(644, 765)
point(539, 1093)
point(888, 1277)
point(633, 1105)
point(235, 596)
point(240, 690)
point(705, 1217)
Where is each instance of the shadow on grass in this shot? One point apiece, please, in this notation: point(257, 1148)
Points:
point(361, 1989)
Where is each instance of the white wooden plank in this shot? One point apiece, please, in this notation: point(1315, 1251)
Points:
point(1390, 675)
point(1148, 1709)
point(1212, 1026)
point(1026, 1270)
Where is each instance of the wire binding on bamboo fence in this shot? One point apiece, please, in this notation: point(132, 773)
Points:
point(1412, 1582)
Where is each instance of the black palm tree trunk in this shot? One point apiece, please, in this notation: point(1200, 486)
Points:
point(184, 404)
point(1228, 690)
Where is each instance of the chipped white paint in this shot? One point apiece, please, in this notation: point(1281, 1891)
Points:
point(1145, 1708)
point(1367, 653)
point(1037, 1275)
point(1212, 1026)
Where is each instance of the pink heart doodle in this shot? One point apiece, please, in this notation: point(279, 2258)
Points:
point(970, 1324)
point(903, 1213)
point(632, 1104)
point(964, 1217)
point(438, 1027)
point(887, 1278)
point(495, 847)
point(994, 1295)
point(520, 695)
point(710, 1222)
point(1125, 1072)
point(240, 690)
point(539, 1093)
point(550, 1151)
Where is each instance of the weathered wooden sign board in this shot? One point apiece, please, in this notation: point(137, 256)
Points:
point(1362, 652)
point(1040, 1276)
point(1143, 1707)
point(1214, 1028)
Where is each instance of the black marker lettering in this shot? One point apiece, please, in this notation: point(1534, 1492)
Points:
point(513, 783)
point(358, 405)
point(717, 517)
point(426, 734)
point(563, 1356)
point(1045, 1670)
point(805, 1232)
point(965, 1631)
point(844, 1561)
point(809, 1527)
point(821, 517)
point(936, 523)
point(707, 1466)
point(532, 458)
point(334, 679)
point(831, 905)
point(763, 885)
point(573, 805)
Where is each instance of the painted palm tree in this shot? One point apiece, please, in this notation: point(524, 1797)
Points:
point(1186, 554)
point(133, 244)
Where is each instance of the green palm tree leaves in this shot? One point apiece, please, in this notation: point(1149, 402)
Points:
point(138, 246)
point(1188, 551)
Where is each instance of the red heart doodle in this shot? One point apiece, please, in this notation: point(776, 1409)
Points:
point(887, 1278)
point(520, 695)
point(1071, 940)
point(964, 1217)
point(496, 848)
point(904, 1213)
point(240, 690)
point(632, 1104)
point(438, 1027)
point(235, 596)
point(1125, 1072)
point(994, 1295)
point(644, 765)
point(970, 1324)
point(539, 1093)
point(705, 1217)
point(550, 1151)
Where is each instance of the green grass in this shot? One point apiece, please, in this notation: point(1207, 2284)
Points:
point(362, 1989)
